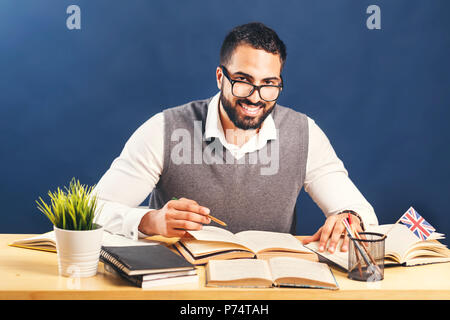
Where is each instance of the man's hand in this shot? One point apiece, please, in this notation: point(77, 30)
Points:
point(333, 229)
point(175, 218)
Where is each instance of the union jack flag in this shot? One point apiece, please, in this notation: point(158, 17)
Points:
point(417, 224)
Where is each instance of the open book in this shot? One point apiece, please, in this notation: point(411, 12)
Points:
point(212, 243)
point(47, 241)
point(402, 247)
point(278, 272)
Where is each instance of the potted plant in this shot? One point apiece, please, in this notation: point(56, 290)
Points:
point(78, 237)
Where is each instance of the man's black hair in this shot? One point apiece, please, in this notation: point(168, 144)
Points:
point(256, 35)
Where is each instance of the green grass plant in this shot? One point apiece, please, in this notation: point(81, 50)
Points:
point(72, 209)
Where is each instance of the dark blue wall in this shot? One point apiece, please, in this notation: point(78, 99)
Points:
point(69, 99)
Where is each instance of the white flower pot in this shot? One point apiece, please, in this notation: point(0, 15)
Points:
point(78, 251)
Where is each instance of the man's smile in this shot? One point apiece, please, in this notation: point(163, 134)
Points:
point(250, 110)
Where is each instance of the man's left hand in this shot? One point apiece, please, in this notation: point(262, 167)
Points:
point(332, 230)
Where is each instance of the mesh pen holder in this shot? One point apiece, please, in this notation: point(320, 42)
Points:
point(366, 257)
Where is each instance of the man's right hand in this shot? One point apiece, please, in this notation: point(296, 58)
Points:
point(175, 218)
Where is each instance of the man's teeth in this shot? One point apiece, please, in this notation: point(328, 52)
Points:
point(250, 109)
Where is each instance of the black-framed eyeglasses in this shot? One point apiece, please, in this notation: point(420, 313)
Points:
point(244, 89)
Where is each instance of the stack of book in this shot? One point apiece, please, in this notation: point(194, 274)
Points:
point(148, 266)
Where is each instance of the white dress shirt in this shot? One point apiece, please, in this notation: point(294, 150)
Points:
point(133, 175)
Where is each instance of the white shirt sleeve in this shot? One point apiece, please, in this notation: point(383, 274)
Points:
point(131, 178)
point(327, 181)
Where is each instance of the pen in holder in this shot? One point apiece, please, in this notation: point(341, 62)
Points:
point(365, 255)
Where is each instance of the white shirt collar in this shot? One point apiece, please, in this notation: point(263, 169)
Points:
point(213, 128)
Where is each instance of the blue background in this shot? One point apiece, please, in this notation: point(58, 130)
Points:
point(69, 99)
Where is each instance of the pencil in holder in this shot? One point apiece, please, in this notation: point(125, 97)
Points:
point(366, 257)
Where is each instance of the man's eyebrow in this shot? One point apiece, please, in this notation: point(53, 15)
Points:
point(272, 78)
point(251, 78)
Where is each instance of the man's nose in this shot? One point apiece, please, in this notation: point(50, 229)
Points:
point(254, 97)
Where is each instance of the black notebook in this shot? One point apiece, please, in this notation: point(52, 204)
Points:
point(137, 260)
point(156, 279)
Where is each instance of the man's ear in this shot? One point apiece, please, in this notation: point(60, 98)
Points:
point(219, 77)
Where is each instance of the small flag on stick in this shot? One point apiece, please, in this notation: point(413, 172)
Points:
point(417, 224)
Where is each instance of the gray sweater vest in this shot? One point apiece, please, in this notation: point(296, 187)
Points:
point(257, 192)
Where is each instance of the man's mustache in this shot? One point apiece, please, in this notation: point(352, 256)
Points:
point(249, 103)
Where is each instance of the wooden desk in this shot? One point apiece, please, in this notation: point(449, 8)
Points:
point(32, 274)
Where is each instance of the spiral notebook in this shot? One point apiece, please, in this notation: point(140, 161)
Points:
point(138, 260)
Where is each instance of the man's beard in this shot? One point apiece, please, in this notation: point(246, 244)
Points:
point(242, 121)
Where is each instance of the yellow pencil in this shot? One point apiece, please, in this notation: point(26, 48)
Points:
point(218, 221)
point(210, 216)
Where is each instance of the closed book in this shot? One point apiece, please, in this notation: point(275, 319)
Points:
point(138, 260)
point(156, 279)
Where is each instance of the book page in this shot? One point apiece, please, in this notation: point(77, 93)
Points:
point(109, 240)
point(427, 249)
point(398, 240)
point(209, 233)
point(426, 260)
point(198, 248)
point(228, 270)
point(338, 257)
point(47, 238)
point(287, 267)
point(383, 228)
point(259, 241)
point(115, 240)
